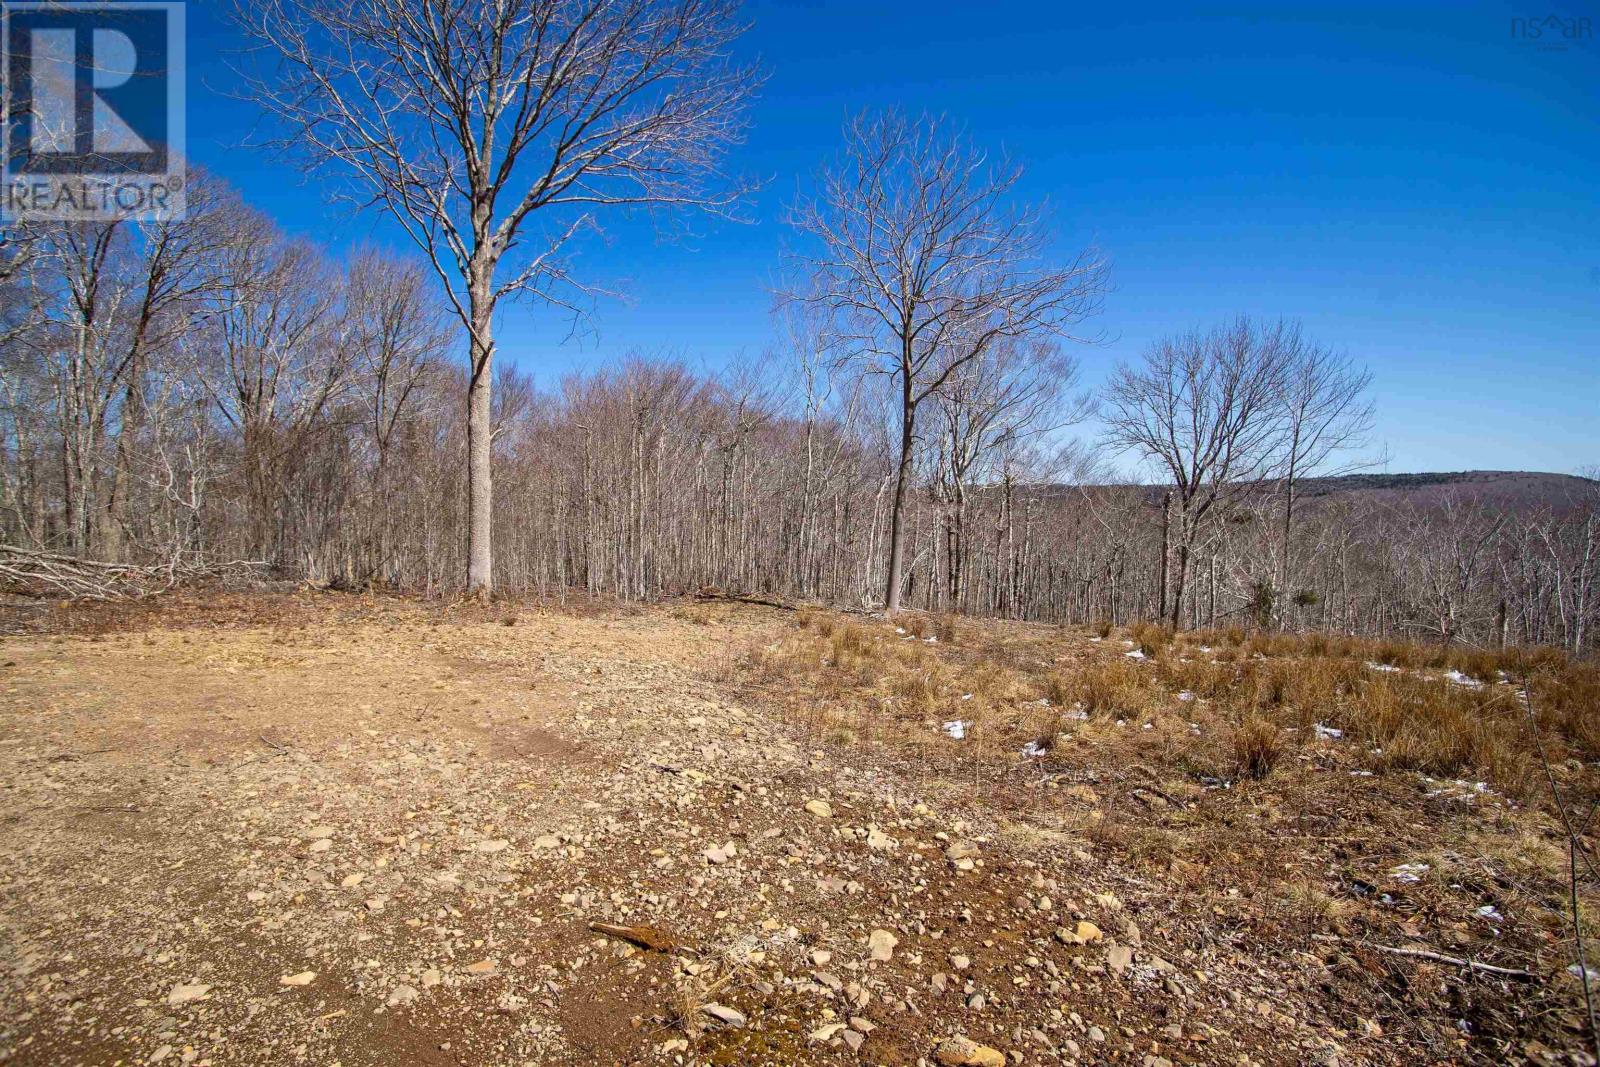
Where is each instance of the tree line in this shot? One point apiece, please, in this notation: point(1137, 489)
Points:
point(206, 389)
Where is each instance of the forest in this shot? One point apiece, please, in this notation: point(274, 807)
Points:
point(183, 394)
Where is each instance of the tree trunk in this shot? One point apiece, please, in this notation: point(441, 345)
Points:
point(480, 503)
point(897, 547)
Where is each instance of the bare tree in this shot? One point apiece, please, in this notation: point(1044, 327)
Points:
point(1011, 394)
point(916, 250)
point(468, 121)
point(1203, 407)
point(1327, 414)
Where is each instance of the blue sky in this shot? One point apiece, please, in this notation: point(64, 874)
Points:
point(1418, 186)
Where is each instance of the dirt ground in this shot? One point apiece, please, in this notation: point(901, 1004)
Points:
point(337, 830)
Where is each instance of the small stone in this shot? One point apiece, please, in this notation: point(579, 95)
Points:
point(1118, 957)
point(1097, 1035)
point(303, 978)
point(320, 845)
point(481, 967)
point(493, 846)
point(825, 1033)
point(960, 962)
point(402, 996)
point(718, 856)
point(820, 808)
point(350, 881)
point(820, 957)
point(183, 994)
point(431, 977)
point(882, 943)
point(723, 1014)
point(962, 1051)
point(877, 839)
point(961, 850)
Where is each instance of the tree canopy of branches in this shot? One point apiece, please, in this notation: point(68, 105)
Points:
point(493, 133)
point(915, 250)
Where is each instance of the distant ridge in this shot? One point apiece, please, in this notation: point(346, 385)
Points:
point(1515, 490)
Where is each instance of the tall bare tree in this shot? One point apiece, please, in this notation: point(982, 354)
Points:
point(1328, 415)
point(495, 130)
point(1204, 408)
point(914, 245)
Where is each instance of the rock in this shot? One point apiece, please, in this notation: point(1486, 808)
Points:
point(492, 846)
point(352, 880)
point(1097, 1035)
point(431, 977)
point(1119, 957)
point(854, 1040)
point(1083, 793)
point(718, 856)
point(481, 967)
point(820, 808)
point(402, 996)
point(320, 845)
point(255, 896)
point(727, 1016)
point(183, 994)
point(825, 1032)
point(882, 943)
point(876, 838)
point(962, 1051)
point(547, 841)
point(865, 1026)
point(960, 962)
point(820, 957)
point(374, 904)
point(961, 850)
point(303, 978)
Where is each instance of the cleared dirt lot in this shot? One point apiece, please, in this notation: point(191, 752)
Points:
point(337, 830)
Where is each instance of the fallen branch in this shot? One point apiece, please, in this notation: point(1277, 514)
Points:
point(1437, 957)
point(650, 937)
point(52, 574)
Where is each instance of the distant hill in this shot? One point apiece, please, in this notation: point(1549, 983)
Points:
point(1514, 490)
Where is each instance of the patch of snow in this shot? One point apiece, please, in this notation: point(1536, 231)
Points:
point(1186, 696)
point(1096, 640)
point(1328, 733)
point(1577, 971)
point(1203, 648)
point(1135, 654)
point(1149, 726)
point(1462, 680)
point(931, 639)
point(1490, 912)
point(899, 629)
point(1388, 668)
point(1361, 774)
point(1409, 872)
point(1034, 749)
point(957, 728)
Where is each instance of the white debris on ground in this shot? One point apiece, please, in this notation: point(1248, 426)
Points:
point(957, 728)
point(1409, 872)
point(1135, 654)
point(1327, 733)
point(1490, 912)
point(1035, 750)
